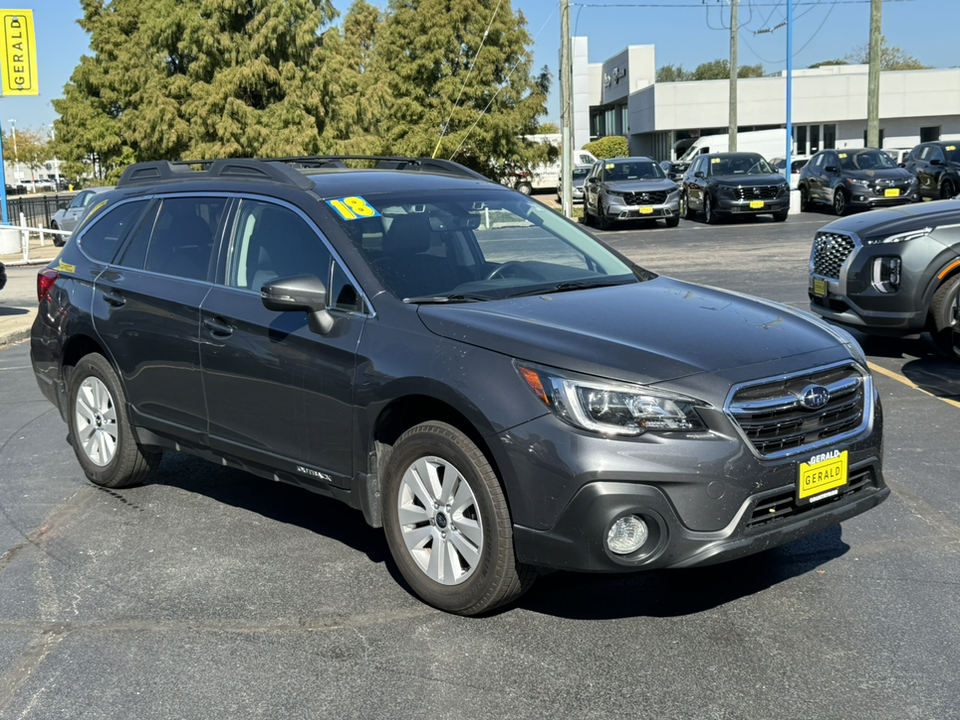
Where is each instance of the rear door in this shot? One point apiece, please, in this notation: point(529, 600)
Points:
point(279, 394)
point(147, 310)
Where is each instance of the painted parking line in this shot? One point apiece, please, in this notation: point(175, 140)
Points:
point(909, 383)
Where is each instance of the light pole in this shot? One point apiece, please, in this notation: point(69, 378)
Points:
point(16, 157)
point(56, 163)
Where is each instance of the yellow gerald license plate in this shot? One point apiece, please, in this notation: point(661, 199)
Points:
point(756, 204)
point(822, 476)
point(891, 192)
point(819, 287)
point(646, 210)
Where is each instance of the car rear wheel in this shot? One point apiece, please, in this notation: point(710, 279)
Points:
point(447, 522)
point(944, 313)
point(839, 202)
point(100, 433)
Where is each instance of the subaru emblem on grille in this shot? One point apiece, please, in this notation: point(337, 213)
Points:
point(814, 397)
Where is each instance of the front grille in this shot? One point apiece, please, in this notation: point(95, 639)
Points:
point(783, 505)
point(656, 197)
point(776, 422)
point(759, 192)
point(830, 251)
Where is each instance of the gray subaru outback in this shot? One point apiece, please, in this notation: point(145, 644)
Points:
point(482, 378)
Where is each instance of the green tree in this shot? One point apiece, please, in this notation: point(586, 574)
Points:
point(718, 69)
point(31, 149)
point(548, 128)
point(837, 61)
point(612, 146)
point(891, 57)
point(460, 82)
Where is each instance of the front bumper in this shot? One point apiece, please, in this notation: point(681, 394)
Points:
point(617, 209)
point(736, 206)
point(876, 197)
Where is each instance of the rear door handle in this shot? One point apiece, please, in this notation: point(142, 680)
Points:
point(114, 298)
point(218, 327)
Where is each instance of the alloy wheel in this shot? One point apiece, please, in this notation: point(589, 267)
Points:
point(96, 421)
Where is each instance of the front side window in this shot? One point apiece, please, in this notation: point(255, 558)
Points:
point(107, 227)
point(183, 236)
point(474, 245)
point(270, 241)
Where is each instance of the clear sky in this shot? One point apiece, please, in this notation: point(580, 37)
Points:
point(686, 32)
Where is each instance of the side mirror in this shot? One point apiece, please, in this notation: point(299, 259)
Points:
point(592, 179)
point(936, 161)
point(903, 164)
point(305, 293)
point(699, 174)
point(830, 168)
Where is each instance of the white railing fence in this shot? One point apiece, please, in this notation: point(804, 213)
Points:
point(22, 245)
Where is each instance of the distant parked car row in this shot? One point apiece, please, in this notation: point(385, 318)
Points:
point(69, 217)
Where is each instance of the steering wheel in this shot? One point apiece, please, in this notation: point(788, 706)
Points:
point(515, 265)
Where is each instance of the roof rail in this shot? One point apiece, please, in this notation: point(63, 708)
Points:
point(384, 162)
point(283, 170)
point(239, 168)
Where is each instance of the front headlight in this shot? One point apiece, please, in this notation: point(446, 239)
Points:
point(861, 183)
point(899, 237)
point(612, 408)
point(613, 192)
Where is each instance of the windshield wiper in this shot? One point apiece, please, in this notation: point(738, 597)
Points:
point(439, 299)
point(568, 285)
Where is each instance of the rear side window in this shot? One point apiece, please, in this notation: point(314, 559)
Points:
point(182, 240)
point(103, 237)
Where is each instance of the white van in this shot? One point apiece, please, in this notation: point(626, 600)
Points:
point(769, 143)
point(547, 176)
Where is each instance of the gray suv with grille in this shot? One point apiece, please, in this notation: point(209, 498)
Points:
point(499, 391)
point(891, 272)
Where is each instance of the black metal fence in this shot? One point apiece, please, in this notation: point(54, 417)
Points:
point(38, 210)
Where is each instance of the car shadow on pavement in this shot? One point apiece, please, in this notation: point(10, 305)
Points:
point(674, 593)
point(273, 500)
point(6, 311)
point(925, 366)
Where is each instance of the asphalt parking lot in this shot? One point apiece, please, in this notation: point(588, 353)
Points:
point(209, 593)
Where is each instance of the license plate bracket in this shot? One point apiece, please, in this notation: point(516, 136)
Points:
point(891, 192)
point(822, 476)
point(819, 287)
point(756, 204)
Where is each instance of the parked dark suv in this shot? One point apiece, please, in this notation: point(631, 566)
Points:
point(891, 272)
point(736, 183)
point(859, 178)
point(936, 166)
point(480, 376)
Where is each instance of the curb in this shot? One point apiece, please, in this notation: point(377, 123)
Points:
point(16, 328)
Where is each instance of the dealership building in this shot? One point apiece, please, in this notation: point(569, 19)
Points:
point(621, 97)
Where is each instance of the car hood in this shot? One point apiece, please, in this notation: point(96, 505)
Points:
point(879, 174)
point(646, 332)
point(902, 218)
point(652, 185)
point(751, 180)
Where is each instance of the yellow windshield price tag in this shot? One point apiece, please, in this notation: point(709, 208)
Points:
point(610, 166)
point(65, 268)
point(353, 208)
point(714, 161)
point(843, 155)
point(951, 148)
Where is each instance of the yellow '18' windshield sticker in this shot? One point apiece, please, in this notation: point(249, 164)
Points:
point(610, 166)
point(842, 155)
point(951, 148)
point(353, 208)
point(714, 161)
point(64, 268)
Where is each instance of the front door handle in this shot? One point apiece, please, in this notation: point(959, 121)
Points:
point(218, 327)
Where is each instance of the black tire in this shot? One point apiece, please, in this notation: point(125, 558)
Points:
point(947, 190)
point(603, 222)
point(804, 199)
point(673, 221)
point(102, 438)
point(587, 217)
point(944, 312)
point(780, 216)
point(525, 188)
point(839, 202)
point(489, 574)
point(709, 214)
point(685, 209)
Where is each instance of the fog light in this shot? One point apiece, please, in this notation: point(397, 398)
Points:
point(886, 274)
point(627, 534)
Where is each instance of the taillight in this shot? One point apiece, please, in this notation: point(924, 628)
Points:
point(45, 280)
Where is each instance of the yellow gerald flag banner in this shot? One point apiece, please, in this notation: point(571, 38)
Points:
point(18, 64)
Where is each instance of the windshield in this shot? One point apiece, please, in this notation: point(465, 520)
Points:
point(641, 170)
point(471, 245)
point(740, 165)
point(865, 160)
point(580, 173)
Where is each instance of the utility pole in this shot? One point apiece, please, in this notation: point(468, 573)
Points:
point(566, 111)
point(732, 145)
point(873, 76)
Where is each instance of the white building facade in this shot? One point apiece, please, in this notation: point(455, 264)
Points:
point(829, 105)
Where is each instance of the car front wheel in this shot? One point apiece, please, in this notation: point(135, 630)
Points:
point(944, 314)
point(100, 434)
point(839, 202)
point(447, 522)
point(709, 214)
